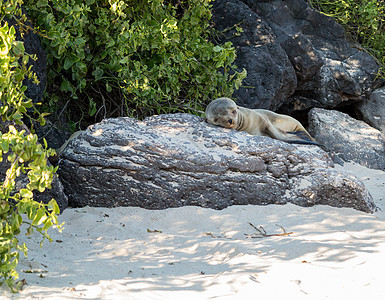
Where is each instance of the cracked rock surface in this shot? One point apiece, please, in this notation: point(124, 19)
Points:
point(348, 139)
point(178, 160)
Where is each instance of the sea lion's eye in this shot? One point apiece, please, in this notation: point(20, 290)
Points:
point(216, 120)
point(234, 112)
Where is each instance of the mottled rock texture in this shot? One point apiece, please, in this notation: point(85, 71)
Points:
point(179, 160)
point(347, 139)
point(372, 110)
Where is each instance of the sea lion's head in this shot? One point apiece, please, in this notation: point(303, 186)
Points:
point(222, 112)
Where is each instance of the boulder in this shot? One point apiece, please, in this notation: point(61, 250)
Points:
point(372, 110)
point(283, 38)
point(348, 139)
point(178, 160)
point(330, 72)
point(270, 76)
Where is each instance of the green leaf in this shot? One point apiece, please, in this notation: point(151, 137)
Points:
point(47, 224)
point(24, 193)
point(218, 49)
point(92, 108)
point(66, 86)
point(39, 217)
point(124, 60)
point(108, 88)
point(30, 212)
point(98, 73)
point(68, 63)
point(54, 207)
point(17, 221)
point(42, 3)
point(18, 48)
point(17, 116)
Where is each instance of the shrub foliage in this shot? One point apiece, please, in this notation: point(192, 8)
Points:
point(133, 58)
point(21, 152)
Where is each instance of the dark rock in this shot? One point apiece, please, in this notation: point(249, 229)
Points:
point(329, 70)
point(281, 38)
point(33, 46)
point(347, 139)
point(54, 133)
point(56, 190)
point(179, 160)
point(372, 110)
point(270, 76)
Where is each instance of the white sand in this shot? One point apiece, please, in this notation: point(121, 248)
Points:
point(202, 253)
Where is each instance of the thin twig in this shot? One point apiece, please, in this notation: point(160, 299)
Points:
point(216, 236)
point(263, 233)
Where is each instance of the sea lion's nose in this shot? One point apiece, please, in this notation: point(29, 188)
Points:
point(230, 121)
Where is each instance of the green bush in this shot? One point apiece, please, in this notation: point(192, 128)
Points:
point(21, 152)
point(133, 58)
point(363, 20)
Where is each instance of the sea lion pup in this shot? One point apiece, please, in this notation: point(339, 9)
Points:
point(225, 113)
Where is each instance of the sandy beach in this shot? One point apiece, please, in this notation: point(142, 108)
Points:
point(316, 252)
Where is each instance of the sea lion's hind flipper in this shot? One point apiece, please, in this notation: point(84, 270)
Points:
point(305, 143)
point(303, 135)
point(304, 138)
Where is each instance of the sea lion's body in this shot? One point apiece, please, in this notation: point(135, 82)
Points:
point(225, 113)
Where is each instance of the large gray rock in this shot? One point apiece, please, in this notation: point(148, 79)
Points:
point(270, 76)
point(372, 110)
point(179, 160)
point(347, 139)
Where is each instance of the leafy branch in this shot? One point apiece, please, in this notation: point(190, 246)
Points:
point(20, 153)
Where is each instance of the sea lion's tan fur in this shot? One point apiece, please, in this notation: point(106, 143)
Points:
point(225, 113)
